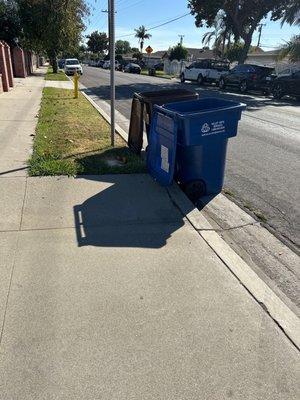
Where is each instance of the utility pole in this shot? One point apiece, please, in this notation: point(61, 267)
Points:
point(181, 39)
point(260, 26)
point(111, 15)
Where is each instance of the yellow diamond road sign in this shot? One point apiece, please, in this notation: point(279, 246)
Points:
point(149, 49)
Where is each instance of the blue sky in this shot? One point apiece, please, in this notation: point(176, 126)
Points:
point(133, 13)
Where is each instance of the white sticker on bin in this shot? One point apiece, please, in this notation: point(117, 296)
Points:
point(213, 128)
point(164, 153)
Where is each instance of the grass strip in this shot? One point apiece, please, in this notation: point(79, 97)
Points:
point(60, 76)
point(72, 139)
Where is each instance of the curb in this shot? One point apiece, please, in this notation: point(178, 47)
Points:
point(120, 131)
point(281, 314)
point(260, 291)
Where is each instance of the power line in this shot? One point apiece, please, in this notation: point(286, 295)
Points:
point(131, 5)
point(158, 26)
point(121, 2)
point(168, 22)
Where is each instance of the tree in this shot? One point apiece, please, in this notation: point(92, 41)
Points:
point(178, 52)
point(52, 26)
point(242, 17)
point(122, 47)
point(135, 50)
point(233, 53)
point(291, 13)
point(138, 55)
point(97, 42)
point(141, 34)
point(291, 49)
point(10, 28)
point(220, 34)
point(119, 58)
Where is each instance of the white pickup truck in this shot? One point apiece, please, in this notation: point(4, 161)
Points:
point(205, 71)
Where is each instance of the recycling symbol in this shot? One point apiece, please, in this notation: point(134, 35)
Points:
point(205, 128)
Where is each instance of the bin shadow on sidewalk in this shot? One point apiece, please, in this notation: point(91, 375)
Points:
point(129, 211)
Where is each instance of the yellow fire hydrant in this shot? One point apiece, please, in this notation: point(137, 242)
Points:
point(75, 80)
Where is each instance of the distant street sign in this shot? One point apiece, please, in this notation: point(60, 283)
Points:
point(149, 49)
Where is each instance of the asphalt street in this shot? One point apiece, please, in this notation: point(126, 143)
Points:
point(263, 161)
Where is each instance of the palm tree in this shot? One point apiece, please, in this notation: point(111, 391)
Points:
point(291, 49)
point(220, 34)
point(292, 14)
point(141, 34)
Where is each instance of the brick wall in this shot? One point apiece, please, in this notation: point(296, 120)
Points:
point(3, 68)
point(28, 62)
point(1, 87)
point(9, 64)
point(19, 62)
point(15, 62)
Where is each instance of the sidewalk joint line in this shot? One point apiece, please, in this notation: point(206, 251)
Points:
point(23, 204)
point(99, 226)
point(9, 288)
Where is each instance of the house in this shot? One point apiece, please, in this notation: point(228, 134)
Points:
point(261, 57)
point(270, 59)
point(193, 54)
point(200, 54)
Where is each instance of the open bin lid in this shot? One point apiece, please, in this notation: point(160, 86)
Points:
point(166, 96)
point(200, 106)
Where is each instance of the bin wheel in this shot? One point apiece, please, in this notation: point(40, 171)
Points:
point(278, 92)
point(222, 84)
point(243, 87)
point(194, 190)
point(182, 78)
point(200, 79)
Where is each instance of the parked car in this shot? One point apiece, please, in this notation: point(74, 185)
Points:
point(72, 65)
point(158, 66)
point(106, 65)
point(248, 77)
point(61, 63)
point(132, 68)
point(205, 71)
point(286, 85)
point(100, 64)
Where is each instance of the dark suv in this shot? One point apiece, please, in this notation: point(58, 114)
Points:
point(287, 85)
point(248, 77)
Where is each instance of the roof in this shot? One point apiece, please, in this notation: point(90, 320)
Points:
point(196, 54)
point(271, 53)
point(159, 54)
point(256, 50)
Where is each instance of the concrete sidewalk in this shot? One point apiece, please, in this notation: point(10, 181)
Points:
point(108, 292)
point(18, 118)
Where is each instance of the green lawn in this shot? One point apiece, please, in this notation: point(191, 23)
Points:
point(159, 74)
point(60, 76)
point(72, 138)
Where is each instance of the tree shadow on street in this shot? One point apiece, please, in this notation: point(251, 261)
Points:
point(253, 100)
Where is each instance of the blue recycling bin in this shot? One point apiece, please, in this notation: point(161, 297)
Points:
point(188, 142)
